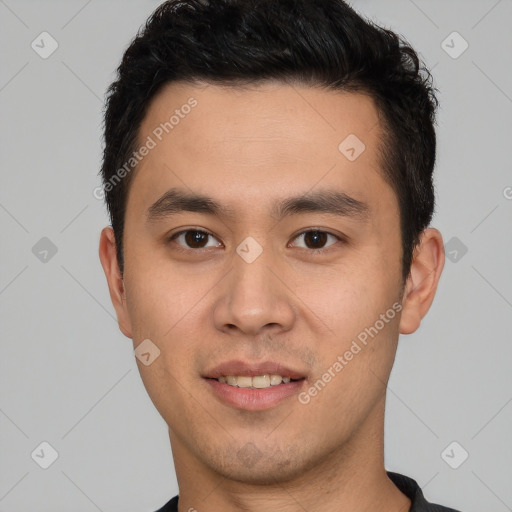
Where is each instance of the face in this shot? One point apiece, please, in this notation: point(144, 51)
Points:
point(258, 281)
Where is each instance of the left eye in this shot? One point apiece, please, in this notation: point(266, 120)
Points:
point(316, 237)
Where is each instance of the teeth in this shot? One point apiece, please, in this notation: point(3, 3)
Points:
point(260, 381)
point(257, 382)
point(275, 380)
point(244, 382)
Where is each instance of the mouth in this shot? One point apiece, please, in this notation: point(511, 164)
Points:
point(257, 382)
point(254, 387)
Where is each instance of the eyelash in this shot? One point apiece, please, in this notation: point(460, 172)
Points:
point(314, 251)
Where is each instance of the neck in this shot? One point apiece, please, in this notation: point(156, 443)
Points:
point(350, 479)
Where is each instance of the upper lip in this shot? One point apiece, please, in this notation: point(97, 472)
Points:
point(248, 369)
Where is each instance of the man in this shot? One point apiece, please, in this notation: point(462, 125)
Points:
point(296, 142)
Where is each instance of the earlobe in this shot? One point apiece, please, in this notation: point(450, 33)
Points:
point(108, 258)
point(421, 285)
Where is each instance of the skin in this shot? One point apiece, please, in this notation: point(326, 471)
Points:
point(247, 148)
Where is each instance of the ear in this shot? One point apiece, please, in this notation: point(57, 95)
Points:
point(108, 258)
point(421, 284)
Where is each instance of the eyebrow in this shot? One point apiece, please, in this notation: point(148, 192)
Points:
point(334, 202)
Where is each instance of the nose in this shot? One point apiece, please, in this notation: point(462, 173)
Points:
point(254, 298)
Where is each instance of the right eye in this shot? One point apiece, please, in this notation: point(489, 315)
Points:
point(192, 239)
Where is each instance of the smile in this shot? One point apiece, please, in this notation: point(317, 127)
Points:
point(255, 382)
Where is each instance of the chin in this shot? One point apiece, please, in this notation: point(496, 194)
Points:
point(252, 466)
point(264, 475)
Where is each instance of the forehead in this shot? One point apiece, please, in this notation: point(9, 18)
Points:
point(260, 139)
point(261, 114)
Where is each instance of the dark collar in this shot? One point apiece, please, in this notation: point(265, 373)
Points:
point(413, 491)
point(407, 486)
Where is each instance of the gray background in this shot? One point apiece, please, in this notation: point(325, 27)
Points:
point(68, 376)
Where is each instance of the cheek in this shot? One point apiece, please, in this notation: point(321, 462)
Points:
point(347, 296)
point(355, 305)
point(161, 294)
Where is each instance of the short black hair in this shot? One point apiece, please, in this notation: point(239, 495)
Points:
point(319, 43)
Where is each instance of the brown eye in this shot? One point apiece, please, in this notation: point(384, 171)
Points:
point(192, 238)
point(315, 239)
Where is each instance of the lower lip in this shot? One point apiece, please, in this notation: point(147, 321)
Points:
point(254, 399)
